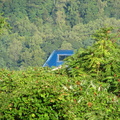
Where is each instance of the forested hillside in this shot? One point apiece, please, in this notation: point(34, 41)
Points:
point(87, 86)
point(40, 26)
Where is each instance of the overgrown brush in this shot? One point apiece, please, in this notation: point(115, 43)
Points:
point(41, 94)
point(87, 89)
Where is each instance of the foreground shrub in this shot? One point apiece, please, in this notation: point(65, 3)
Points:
point(41, 94)
point(101, 60)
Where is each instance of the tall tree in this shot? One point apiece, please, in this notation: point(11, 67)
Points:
point(72, 12)
point(3, 24)
point(4, 42)
point(112, 9)
point(101, 59)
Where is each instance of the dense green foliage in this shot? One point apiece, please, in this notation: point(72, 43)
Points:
point(3, 25)
point(100, 61)
point(38, 93)
point(41, 26)
point(88, 88)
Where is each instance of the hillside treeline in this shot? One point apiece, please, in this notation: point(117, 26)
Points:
point(86, 87)
point(40, 26)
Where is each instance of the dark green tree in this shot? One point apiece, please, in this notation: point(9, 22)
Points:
point(4, 26)
point(112, 9)
point(4, 42)
point(101, 60)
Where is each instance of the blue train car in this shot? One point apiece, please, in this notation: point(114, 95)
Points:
point(56, 58)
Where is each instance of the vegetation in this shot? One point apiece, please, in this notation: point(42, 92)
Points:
point(88, 88)
point(100, 61)
point(39, 27)
point(40, 94)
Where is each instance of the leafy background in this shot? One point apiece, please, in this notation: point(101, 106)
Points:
point(40, 26)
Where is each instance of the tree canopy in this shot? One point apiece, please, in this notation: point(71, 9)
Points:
point(39, 27)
